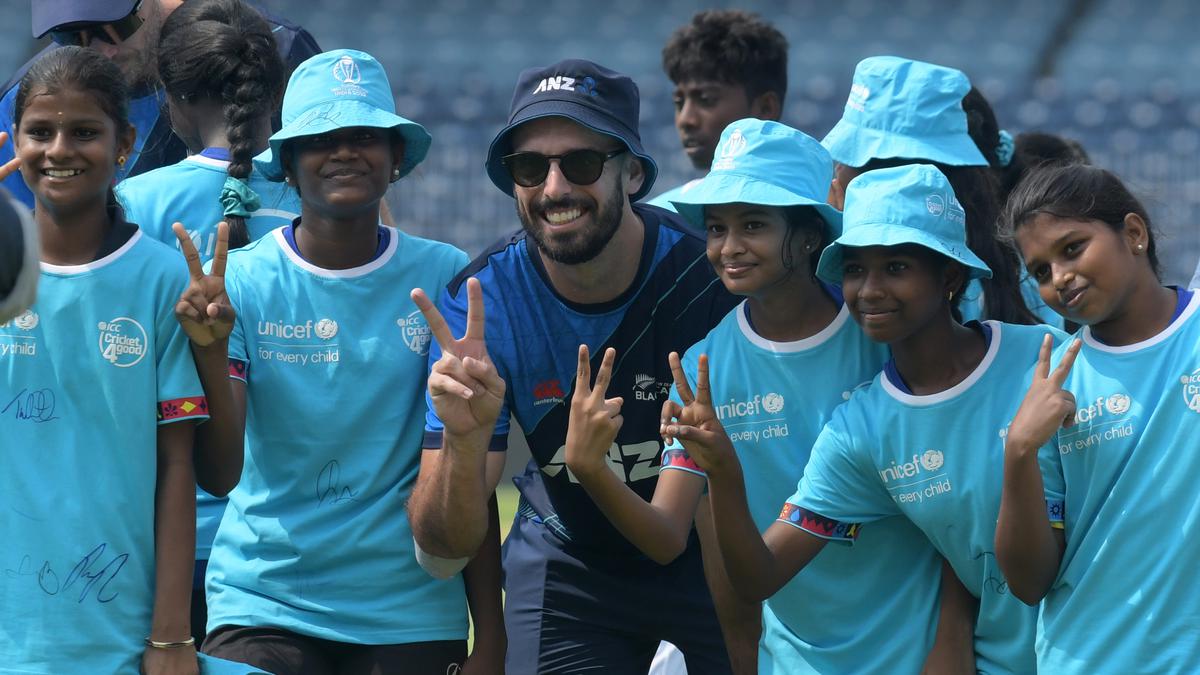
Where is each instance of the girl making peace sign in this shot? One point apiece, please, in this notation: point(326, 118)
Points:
point(98, 397)
point(313, 567)
point(923, 440)
point(1098, 521)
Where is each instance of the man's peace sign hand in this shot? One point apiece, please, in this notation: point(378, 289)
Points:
point(466, 389)
point(204, 310)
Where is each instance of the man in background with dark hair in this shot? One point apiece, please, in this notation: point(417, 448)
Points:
point(726, 65)
point(126, 31)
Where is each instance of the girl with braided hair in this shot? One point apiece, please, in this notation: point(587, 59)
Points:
point(224, 79)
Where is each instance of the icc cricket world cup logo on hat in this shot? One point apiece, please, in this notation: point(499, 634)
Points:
point(731, 148)
point(346, 71)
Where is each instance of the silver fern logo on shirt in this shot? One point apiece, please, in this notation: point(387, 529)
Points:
point(646, 388)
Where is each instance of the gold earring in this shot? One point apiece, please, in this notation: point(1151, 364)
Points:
point(121, 161)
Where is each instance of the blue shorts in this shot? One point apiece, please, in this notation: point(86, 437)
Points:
point(565, 614)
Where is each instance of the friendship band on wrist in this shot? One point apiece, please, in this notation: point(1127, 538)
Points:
point(191, 641)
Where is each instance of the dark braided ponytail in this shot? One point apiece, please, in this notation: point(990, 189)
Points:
point(224, 51)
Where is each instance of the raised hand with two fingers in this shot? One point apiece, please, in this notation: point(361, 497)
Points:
point(594, 420)
point(695, 423)
point(1047, 407)
point(11, 166)
point(204, 309)
point(466, 388)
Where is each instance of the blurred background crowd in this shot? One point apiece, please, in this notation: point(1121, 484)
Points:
point(1119, 76)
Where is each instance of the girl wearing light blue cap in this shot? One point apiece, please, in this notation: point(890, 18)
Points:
point(923, 441)
point(781, 362)
point(901, 112)
point(313, 568)
point(1098, 521)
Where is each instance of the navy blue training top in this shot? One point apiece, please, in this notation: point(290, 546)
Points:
point(533, 336)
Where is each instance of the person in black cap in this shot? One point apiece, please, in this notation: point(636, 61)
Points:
point(589, 268)
point(127, 31)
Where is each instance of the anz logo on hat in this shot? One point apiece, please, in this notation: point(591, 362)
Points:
point(346, 72)
point(586, 85)
point(731, 148)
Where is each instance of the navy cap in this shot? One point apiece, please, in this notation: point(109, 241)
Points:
point(600, 99)
point(49, 14)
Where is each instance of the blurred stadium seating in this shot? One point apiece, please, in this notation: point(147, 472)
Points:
point(1117, 75)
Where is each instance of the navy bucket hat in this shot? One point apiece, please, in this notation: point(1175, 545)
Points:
point(600, 99)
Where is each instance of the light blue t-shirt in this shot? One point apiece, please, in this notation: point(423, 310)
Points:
point(773, 398)
point(664, 200)
point(1121, 482)
point(971, 306)
point(87, 375)
point(189, 192)
point(938, 459)
point(316, 539)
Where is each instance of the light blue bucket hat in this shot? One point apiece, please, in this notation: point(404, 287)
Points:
point(765, 163)
point(338, 89)
point(911, 204)
point(900, 108)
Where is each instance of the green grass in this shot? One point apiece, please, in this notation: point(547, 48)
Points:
point(506, 499)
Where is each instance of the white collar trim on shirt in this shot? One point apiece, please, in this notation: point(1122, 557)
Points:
point(800, 345)
point(208, 161)
point(931, 399)
point(95, 264)
point(393, 243)
point(1167, 332)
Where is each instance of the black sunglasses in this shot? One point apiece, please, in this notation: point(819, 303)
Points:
point(581, 167)
point(72, 33)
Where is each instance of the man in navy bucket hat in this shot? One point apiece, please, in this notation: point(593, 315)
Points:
point(589, 267)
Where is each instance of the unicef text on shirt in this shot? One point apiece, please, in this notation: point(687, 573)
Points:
point(923, 486)
point(1101, 420)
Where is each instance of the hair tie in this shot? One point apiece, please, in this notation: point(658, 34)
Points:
point(238, 199)
point(1005, 148)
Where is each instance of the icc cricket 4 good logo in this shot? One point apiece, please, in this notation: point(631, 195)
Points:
point(122, 341)
point(1191, 390)
point(416, 332)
